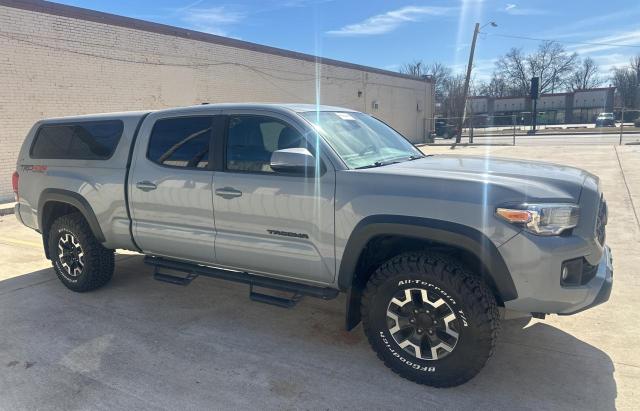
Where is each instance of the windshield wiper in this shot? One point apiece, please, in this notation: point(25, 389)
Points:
point(378, 164)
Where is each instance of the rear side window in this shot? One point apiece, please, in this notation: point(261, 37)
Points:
point(181, 142)
point(96, 140)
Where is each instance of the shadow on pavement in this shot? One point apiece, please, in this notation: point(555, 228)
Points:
point(140, 344)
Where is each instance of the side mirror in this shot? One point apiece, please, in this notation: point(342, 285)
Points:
point(293, 161)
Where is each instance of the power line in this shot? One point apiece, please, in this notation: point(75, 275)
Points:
point(205, 62)
point(510, 36)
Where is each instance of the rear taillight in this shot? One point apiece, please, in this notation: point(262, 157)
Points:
point(15, 179)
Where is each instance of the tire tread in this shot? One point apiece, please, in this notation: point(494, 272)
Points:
point(446, 270)
point(101, 259)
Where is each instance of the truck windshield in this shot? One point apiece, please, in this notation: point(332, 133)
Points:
point(361, 140)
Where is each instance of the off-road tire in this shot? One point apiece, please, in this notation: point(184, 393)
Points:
point(468, 297)
point(97, 261)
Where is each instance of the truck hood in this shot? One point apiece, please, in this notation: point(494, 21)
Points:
point(530, 179)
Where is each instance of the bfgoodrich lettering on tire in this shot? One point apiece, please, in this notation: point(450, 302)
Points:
point(429, 319)
point(80, 261)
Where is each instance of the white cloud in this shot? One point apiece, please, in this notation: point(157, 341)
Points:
point(214, 20)
point(613, 41)
point(515, 10)
point(607, 62)
point(389, 21)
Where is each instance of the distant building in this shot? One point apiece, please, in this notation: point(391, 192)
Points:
point(558, 108)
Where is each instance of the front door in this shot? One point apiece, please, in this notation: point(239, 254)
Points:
point(267, 222)
point(171, 186)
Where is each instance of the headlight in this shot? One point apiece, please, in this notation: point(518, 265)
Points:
point(542, 219)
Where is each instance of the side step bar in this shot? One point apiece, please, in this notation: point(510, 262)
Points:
point(195, 270)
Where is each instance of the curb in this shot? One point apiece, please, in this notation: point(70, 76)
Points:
point(7, 209)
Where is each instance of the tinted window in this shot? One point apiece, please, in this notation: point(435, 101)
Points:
point(252, 140)
point(181, 142)
point(77, 141)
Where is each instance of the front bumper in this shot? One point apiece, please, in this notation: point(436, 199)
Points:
point(601, 284)
point(535, 265)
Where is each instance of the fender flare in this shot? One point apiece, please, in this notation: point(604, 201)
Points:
point(443, 232)
point(74, 199)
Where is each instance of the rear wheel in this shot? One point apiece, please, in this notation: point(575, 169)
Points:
point(80, 261)
point(429, 319)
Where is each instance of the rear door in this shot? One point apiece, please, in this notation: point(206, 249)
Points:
point(171, 185)
point(267, 222)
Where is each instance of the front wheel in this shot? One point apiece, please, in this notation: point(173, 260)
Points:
point(429, 319)
point(80, 261)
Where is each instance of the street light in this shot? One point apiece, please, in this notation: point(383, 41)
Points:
point(468, 78)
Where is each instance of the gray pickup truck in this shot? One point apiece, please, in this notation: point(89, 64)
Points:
point(305, 200)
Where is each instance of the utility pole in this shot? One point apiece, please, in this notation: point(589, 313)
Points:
point(467, 79)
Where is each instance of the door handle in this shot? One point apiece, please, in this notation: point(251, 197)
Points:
point(145, 185)
point(228, 193)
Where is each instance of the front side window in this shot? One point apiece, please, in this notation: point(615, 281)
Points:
point(181, 142)
point(252, 139)
point(96, 140)
point(361, 140)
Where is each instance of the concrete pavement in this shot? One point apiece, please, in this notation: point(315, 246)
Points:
point(140, 344)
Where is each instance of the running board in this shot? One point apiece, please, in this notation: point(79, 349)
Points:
point(273, 299)
point(173, 279)
point(253, 280)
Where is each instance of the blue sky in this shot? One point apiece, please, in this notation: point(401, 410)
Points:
point(386, 34)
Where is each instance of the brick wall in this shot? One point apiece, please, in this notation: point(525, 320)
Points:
point(52, 65)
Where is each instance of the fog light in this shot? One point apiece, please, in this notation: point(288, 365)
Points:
point(571, 272)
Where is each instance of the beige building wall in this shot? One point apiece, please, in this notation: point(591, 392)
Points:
point(510, 104)
point(590, 98)
point(55, 65)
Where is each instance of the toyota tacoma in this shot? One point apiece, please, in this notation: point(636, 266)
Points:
point(306, 200)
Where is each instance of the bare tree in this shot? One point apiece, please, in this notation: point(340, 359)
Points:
point(624, 80)
point(512, 67)
point(585, 76)
point(495, 87)
point(453, 96)
point(440, 74)
point(550, 62)
point(634, 64)
point(415, 68)
point(627, 83)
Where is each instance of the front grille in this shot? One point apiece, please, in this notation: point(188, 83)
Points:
point(601, 221)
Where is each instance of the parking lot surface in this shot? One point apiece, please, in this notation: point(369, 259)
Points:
point(141, 344)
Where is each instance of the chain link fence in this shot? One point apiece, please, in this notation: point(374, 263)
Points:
point(518, 128)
